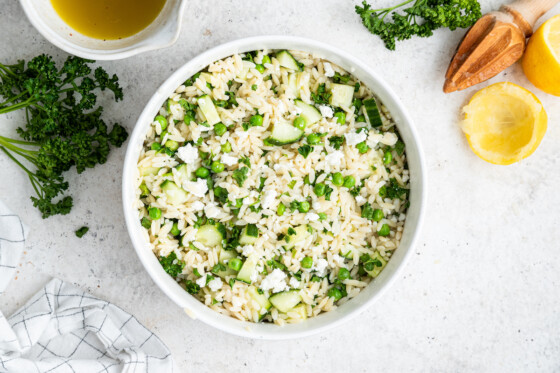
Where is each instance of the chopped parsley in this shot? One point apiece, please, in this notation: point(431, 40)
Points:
point(171, 264)
point(321, 96)
point(83, 230)
point(240, 175)
point(191, 287)
point(336, 141)
point(304, 150)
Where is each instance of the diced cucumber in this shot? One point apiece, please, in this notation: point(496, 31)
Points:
point(285, 59)
point(249, 235)
point(301, 234)
point(342, 95)
point(183, 172)
point(224, 257)
point(301, 310)
point(377, 270)
point(261, 299)
point(284, 133)
point(248, 269)
point(292, 85)
point(146, 171)
point(175, 195)
point(309, 112)
point(210, 235)
point(208, 110)
point(372, 112)
point(286, 300)
point(207, 77)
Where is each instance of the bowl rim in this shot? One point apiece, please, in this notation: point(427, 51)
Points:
point(100, 54)
point(193, 307)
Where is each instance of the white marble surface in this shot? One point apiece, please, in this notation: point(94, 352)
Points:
point(481, 293)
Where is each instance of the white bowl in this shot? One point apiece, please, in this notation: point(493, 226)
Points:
point(162, 32)
point(368, 295)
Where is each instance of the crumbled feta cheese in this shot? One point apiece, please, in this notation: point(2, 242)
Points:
point(268, 198)
point(236, 303)
point(389, 139)
point(215, 284)
point(326, 111)
point(338, 260)
point(242, 134)
point(247, 249)
point(353, 138)
point(199, 188)
point(197, 206)
point(276, 281)
point(211, 211)
point(335, 158)
point(294, 283)
point(281, 107)
point(321, 266)
point(201, 281)
point(254, 276)
point(188, 153)
point(229, 160)
point(329, 72)
point(311, 216)
point(360, 200)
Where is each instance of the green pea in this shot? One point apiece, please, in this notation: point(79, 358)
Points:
point(343, 274)
point(281, 209)
point(155, 146)
point(387, 157)
point(162, 122)
point(266, 59)
point(361, 119)
point(154, 212)
point(307, 262)
point(254, 87)
point(219, 129)
point(349, 182)
point(322, 216)
point(340, 117)
point(202, 172)
point(256, 120)
point(337, 179)
point(235, 264)
point(362, 147)
point(299, 123)
point(335, 293)
point(260, 68)
point(313, 139)
point(226, 148)
point(320, 189)
point(172, 145)
point(378, 215)
point(384, 231)
point(217, 167)
point(144, 191)
point(175, 231)
point(304, 206)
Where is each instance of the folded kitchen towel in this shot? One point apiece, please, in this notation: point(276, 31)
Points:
point(64, 329)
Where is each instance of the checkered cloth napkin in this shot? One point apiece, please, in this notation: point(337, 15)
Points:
point(63, 329)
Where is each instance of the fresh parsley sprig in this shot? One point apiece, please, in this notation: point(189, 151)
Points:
point(420, 19)
point(63, 127)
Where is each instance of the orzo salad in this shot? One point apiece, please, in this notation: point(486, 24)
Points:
point(273, 186)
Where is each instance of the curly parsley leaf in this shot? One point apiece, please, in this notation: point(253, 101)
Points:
point(171, 264)
point(240, 175)
point(321, 96)
point(420, 19)
point(305, 150)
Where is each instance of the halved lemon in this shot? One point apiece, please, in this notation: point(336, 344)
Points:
point(504, 123)
point(541, 61)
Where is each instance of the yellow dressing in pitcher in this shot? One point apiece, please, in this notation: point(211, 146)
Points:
point(108, 19)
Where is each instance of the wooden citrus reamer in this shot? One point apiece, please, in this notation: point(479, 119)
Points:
point(493, 43)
